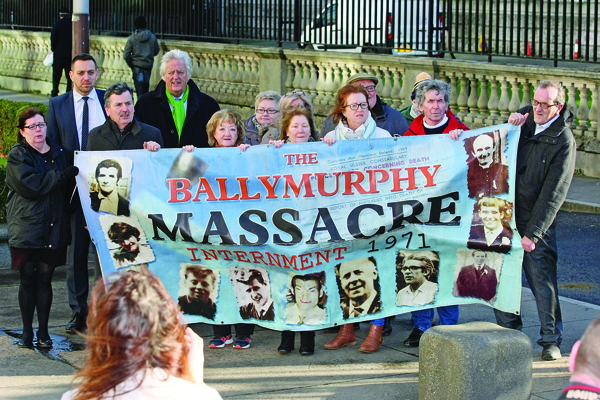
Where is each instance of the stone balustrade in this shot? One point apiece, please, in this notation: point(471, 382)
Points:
point(483, 94)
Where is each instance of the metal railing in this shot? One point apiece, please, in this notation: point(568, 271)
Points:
point(556, 30)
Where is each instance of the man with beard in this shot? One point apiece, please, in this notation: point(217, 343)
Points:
point(477, 280)
point(417, 271)
point(121, 131)
point(493, 234)
point(199, 281)
point(107, 198)
point(261, 306)
point(485, 176)
point(128, 237)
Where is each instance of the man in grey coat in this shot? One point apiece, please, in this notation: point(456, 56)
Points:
point(140, 49)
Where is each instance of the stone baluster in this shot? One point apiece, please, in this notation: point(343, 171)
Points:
point(305, 77)
point(320, 82)
point(220, 72)
point(330, 84)
point(254, 76)
point(494, 117)
point(386, 92)
point(484, 99)
point(453, 93)
point(583, 112)
point(195, 63)
point(212, 77)
point(463, 97)
point(378, 73)
point(337, 80)
point(526, 101)
point(503, 103)
point(203, 71)
point(515, 101)
point(289, 78)
point(594, 112)
point(247, 74)
point(397, 88)
point(312, 83)
point(297, 83)
point(572, 104)
point(228, 75)
point(346, 74)
point(472, 102)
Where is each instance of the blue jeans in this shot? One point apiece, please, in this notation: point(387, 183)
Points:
point(424, 318)
point(540, 272)
point(141, 80)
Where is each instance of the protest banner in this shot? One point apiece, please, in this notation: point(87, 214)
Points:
point(309, 235)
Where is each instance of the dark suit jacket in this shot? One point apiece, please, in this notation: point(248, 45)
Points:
point(477, 240)
point(62, 126)
point(196, 307)
point(487, 182)
point(375, 307)
point(122, 207)
point(482, 285)
point(153, 109)
point(249, 311)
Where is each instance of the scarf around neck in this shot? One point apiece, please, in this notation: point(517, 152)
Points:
point(365, 131)
point(178, 108)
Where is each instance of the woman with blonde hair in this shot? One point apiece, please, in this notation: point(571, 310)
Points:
point(137, 348)
point(226, 129)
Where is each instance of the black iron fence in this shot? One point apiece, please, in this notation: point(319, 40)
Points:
point(555, 30)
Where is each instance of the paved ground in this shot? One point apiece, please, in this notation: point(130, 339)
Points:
point(259, 372)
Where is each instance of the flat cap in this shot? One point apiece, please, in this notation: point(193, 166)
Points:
point(362, 76)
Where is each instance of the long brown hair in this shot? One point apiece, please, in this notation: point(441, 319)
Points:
point(132, 326)
point(341, 97)
point(286, 120)
point(24, 116)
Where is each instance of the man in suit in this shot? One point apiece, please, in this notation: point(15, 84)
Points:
point(477, 280)
point(486, 176)
point(70, 118)
point(107, 198)
point(199, 284)
point(177, 107)
point(261, 306)
point(493, 234)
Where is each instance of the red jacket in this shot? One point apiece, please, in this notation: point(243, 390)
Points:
point(416, 128)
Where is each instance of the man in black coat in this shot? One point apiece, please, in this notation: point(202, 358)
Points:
point(477, 280)
point(545, 167)
point(177, 107)
point(61, 44)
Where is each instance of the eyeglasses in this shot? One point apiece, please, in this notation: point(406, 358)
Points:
point(269, 111)
point(370, 89)
point(545, 106)
point(355, 106)
point(299, 92)
point(33, 126)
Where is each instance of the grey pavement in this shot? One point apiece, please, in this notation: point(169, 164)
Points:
point(259, 372)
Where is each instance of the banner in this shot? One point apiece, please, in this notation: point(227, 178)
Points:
point(309, 235)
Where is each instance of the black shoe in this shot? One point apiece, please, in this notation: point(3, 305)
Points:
point(287, 342)
point(25, 343)
point(44, 344)
point(414, 338)
point(77, 324)
point(307, 343)
point(387, 327)
point(551, 352)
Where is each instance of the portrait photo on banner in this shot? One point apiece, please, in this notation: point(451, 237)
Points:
point(126, 241)
point(306, 299)
point(358, 286)
point(477, 274)
point(488, 166)
point(416, 277)
point(198, 290)
point(490, 227)
point(252, 289)
point(110, 184)
point(187, 166)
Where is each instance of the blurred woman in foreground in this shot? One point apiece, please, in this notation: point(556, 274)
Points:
point(137, 348)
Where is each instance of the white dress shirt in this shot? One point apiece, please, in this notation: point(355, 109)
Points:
point(96, 115)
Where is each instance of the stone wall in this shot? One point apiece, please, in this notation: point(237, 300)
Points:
point(483, 94)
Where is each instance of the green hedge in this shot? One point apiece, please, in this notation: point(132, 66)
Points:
point(9, 114)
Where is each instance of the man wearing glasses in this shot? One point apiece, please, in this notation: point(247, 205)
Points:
point(385, 117)
point(545, 167)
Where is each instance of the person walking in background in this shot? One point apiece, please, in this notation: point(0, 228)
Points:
point(39, 174)
point(61, 38)
point(140, 49)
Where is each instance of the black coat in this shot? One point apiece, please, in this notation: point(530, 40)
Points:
point(38, 197)
point(545, 167)
point(153, 109)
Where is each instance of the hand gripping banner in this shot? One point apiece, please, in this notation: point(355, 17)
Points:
point(309, 235)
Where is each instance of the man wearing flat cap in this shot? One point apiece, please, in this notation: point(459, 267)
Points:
point(385, 116)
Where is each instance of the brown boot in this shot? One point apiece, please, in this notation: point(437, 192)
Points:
point(373, 340)
point(344, 338)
